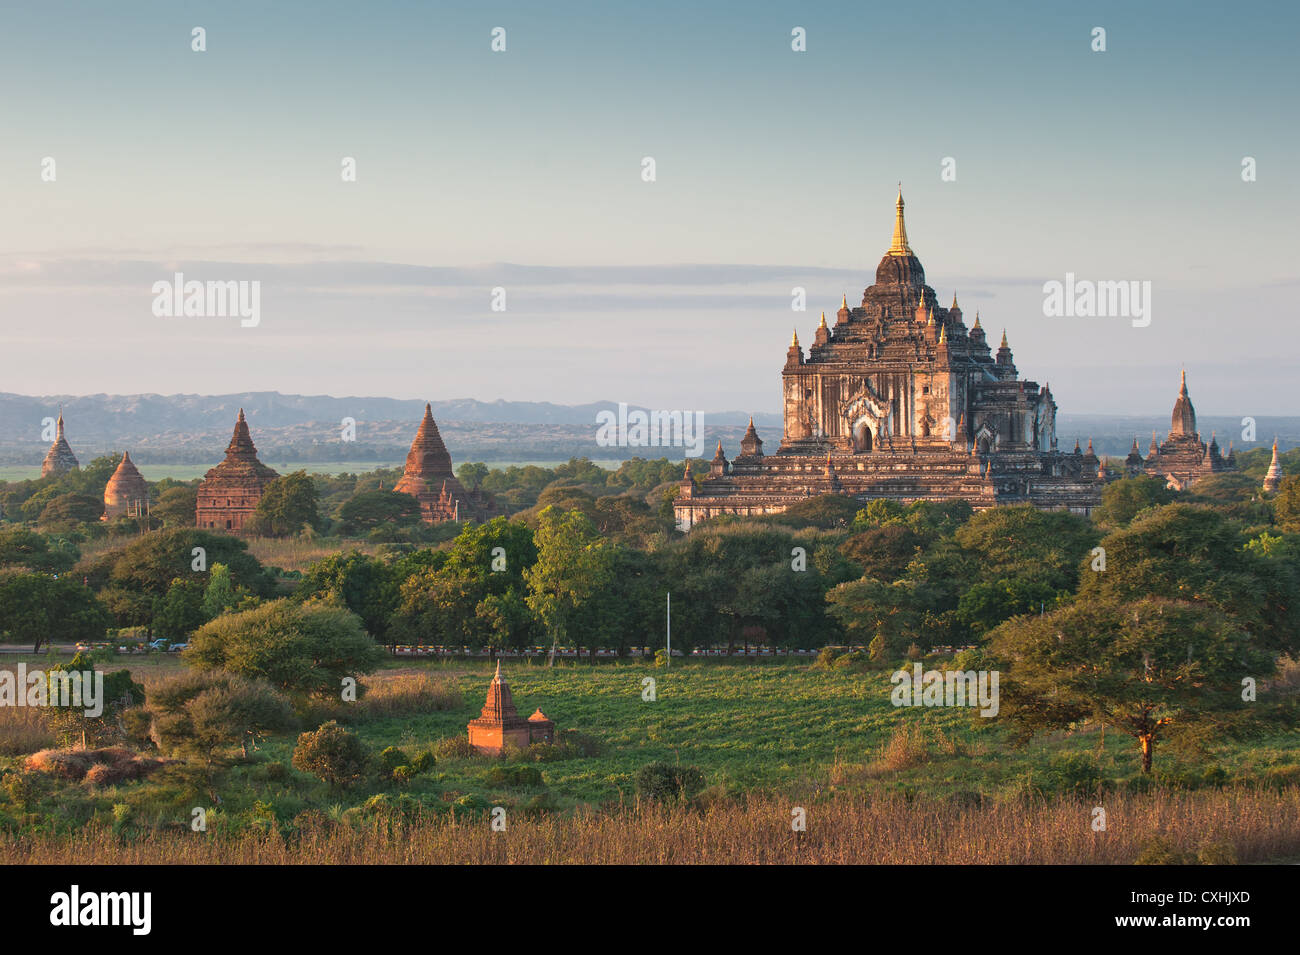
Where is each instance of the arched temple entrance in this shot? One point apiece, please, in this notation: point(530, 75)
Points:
point(862, 437)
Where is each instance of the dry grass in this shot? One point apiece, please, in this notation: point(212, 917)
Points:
point(295, 553)
point(1251, 826)
point(407, 694)
point(99, 767)
point(22, 730)
point(907, 747)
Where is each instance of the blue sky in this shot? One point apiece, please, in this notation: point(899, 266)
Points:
point(774, 169)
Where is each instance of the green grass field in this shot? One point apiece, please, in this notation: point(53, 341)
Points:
point(785, 729)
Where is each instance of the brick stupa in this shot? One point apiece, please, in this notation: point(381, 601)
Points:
point(126, 491)
point(59, 459)
point(500, 726)
point(428, 478)
point(229, 492)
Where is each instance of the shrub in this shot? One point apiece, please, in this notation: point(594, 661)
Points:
point(453, 747)
point(1069, 773)
point(333, 754)
point(826, 658)
point(907, 747)
point(513, 776)
point(664, 782)
point(424, 762)
point(391, 758)
point(1162, 850)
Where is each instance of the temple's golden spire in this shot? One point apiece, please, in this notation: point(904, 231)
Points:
point(844, 300)
point(899, 246)
point(954, 299)
point(977, 318)
point(823, 324)
point(943, 334)
point(1004, 338)
point(794, 342)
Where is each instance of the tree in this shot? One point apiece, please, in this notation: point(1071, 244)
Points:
point(221, 593)
point(1191, 553)
point(573, 563)
point(71, 724)
point(175, 506)
point(181, 611)
point(365, 585)
point(20, 547)
point(200, 714)
point(288, 504)
point(1124, 499)
point(304, 647)
point(471, 474)
point(129, 578)
point(333, 754)
point(1152, 669)
point(69, 510)
point(368, 510)
point(444, 602)
point(1286, 505)
point(37, 608)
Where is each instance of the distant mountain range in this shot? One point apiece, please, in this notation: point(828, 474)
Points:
point(194, 429)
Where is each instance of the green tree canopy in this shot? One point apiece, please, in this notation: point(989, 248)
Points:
point(303, 647)
point(1154, 669)
point(288, 504)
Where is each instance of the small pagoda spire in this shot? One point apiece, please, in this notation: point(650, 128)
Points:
point(1004, 339)
point(844, 300)
point(943, 334)
point(977, 318)
point(954, 299)
point(899, 246)
point(1274, 476)
point(823, 321)
point(794, 342)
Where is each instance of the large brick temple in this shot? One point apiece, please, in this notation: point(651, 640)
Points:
point(428, 477)
point(1183, 458)
point(899, 399)
point(229, 493)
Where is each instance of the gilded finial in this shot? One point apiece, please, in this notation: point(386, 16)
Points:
point(943, 334)
point(977, 319)
point(823, 324)
point(954, 299)
point(899, 246)
point(794, 342)
point(844, 300)
point(1004, 338)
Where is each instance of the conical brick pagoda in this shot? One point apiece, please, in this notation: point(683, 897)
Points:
point(500, 726)
point(229, 492)
point(428, 478)
point(59, 459)
point(126, 491)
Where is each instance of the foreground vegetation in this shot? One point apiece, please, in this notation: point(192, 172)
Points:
point(1208, 828)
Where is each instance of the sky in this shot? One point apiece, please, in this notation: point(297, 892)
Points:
point(522, 170)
